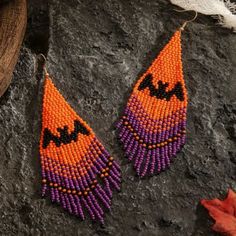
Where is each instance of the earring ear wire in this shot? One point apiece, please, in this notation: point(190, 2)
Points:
point(44, 65)
point(188, 21)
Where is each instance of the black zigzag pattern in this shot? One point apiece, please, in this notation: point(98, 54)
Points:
point(65, 136)
point(160, 92)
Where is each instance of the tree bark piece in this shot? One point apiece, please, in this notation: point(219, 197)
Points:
point(13, 20)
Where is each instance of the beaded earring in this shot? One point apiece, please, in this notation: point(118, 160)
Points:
point(77, 171)
point(153, 127)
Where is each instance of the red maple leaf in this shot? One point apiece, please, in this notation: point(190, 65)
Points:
point(224, 213)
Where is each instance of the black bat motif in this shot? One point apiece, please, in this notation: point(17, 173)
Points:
point(160, 92)
point(65, 137)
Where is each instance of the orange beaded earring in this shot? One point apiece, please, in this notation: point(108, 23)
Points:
point(77, 171)
point(153, 127)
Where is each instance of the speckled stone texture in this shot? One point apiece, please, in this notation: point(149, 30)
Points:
point(96, 51)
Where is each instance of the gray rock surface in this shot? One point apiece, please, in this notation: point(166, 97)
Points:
point(96, 50)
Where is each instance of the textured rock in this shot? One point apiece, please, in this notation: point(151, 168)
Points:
point(96, 51)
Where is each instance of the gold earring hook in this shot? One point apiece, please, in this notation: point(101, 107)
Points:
point(188, 21)
point(44, 65)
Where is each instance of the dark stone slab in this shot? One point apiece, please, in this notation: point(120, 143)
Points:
point(96, 51)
